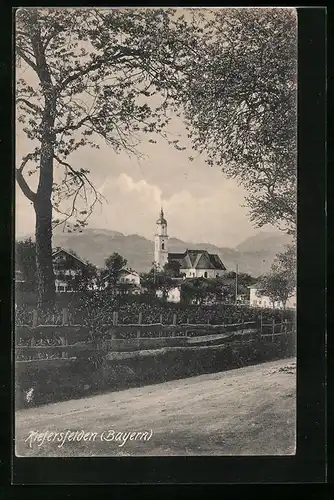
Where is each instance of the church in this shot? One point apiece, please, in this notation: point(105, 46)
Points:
point(192, 263)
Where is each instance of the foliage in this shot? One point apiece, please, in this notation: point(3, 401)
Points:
point(129, 308)
point(240, 105)
point(280, 283)
point(172, 269)
point(148, 282)
point(158, 279)
point(244, 281)
point(203, 290)
point(114, 265)
point(25, 260)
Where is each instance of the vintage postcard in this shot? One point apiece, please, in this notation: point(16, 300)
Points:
point(155, 240)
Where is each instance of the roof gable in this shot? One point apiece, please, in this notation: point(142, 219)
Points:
point(61, 250)
point(203, 261)
point(129, 271)
point(216, 262)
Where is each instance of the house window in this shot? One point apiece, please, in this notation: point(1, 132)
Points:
point(163, 246)
point(61, 288)
point(254, 302)
point(205, 274)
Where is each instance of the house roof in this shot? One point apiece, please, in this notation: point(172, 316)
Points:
point(62, 250)
point(106, 274)
point(129, 271)
point(197, 259)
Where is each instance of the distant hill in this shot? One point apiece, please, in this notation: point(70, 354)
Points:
point(253, 256)
point(261, 240)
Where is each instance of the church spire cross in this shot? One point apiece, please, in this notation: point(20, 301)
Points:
point(161, 219)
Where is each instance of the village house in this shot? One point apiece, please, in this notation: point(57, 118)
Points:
point(128, 282)
point(256, 299)
point(67, 268)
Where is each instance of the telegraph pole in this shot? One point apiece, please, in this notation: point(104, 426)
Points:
point(236, 283)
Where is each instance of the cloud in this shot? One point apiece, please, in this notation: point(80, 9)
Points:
point(133, 206)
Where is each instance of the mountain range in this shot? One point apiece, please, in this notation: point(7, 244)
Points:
point(253, 256)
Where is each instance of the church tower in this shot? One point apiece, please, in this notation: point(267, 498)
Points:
point(161, 242)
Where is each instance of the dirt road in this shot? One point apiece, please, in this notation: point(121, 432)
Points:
point(248, 411)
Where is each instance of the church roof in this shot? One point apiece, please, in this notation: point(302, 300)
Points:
point(197, 259)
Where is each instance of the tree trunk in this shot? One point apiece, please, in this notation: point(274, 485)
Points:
point(43, 232)
point(44, 266)
point(42, 198)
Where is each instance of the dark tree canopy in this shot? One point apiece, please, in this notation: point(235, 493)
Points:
point(25, 260)
point(240, 106)
point(114, 265)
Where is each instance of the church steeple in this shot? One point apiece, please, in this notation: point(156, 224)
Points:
point(161, 219)
point(161, 241)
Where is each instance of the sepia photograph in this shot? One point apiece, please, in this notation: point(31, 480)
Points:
point(155, 289)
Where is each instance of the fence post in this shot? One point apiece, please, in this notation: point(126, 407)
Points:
point(115, 318)
point(64, 342)
point(160, 321)
point(273, 332)
point(140, 319)
point(34, 318)
point(65, 316)
point(114, 322)
point(261, 323)
point(174, 324)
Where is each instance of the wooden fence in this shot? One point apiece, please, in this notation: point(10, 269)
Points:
point(32, 340)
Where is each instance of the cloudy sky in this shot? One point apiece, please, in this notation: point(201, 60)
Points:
point(200, 204)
